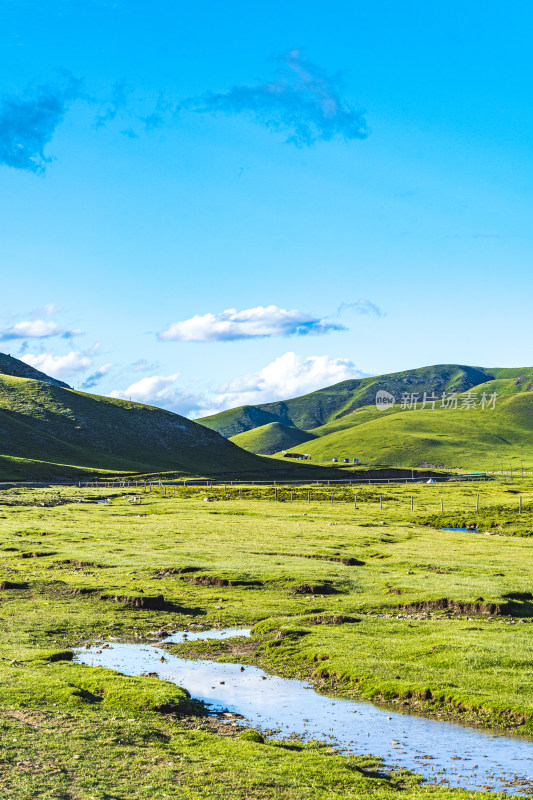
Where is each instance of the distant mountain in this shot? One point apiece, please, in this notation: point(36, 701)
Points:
point(318, 408)
point(343, 419)
point(49, 430)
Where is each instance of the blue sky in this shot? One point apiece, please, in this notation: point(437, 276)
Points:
point(207, 204)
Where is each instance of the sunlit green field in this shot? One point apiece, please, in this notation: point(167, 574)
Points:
point(345, 591)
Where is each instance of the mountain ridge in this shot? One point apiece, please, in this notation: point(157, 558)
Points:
point(343, 421)
point(19, 369)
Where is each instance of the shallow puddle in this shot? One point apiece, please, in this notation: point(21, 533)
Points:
point(442, 752)
point(463, 530)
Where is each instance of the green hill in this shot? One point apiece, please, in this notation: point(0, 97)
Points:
point(49, 430)
point(345, 423)
point(271, 438)
point(475, 439)
point(318, 408)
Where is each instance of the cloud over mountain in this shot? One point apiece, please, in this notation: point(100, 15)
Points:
point(231, 325)
point(59, 366)
point(290, 375)
point(161, 391)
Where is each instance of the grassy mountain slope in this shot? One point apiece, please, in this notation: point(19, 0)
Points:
point(47, 430)
point(472, 439)
point(271, 438)
point(351, 426)
point(334, 402)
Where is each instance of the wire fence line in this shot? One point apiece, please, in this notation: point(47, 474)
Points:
point(335, 482)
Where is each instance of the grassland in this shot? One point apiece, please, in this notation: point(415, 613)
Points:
point(347, 596)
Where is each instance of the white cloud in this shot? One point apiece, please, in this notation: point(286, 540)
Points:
point(58, 366)
point(161, 391)
point(248, 324)
point(31, 329)
point(288, 376)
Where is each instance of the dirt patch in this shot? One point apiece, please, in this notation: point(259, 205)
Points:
point(152, 602)
point(348, 562)
point(80, 590)
point(13, 585)
point(80, 564)
point(65, 655)
point(214, 580)
point(435, 568)
point(36, 555)
point(172, 708)
point(455, 607)
point(314, 588)
point(163, 573)
point(32, 718)
point(215, 723)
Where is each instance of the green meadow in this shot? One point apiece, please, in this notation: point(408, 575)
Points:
point(365, 596)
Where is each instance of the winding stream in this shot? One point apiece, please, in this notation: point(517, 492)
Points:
point(443, 752)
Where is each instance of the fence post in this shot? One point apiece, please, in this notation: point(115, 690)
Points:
point(380, 501)
point(520, 504)
point(441, 504)
point(355, 501)
point(477, 502)
point(308, 497)
point(412, 503)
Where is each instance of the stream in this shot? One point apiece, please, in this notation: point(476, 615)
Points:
point(443, 752)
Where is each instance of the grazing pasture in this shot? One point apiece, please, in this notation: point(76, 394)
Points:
point(368, 600)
